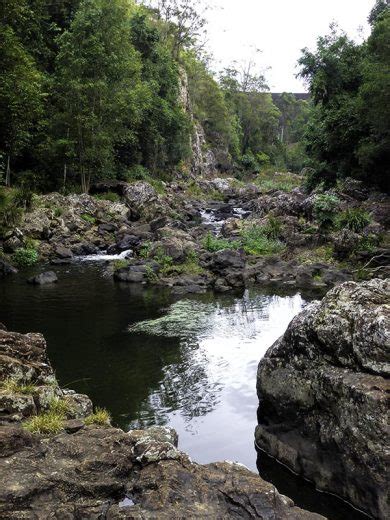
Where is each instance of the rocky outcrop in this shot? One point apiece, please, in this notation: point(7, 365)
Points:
point(96, 471)
point(323, 391)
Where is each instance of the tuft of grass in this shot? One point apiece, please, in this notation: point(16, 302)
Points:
point(101, 416)
point(45, 423)
point(59, 406)
point(18, 387)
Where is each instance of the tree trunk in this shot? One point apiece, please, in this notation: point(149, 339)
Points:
point(65, 175)
point(8, 172)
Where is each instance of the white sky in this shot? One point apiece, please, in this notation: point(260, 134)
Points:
point(280, 28)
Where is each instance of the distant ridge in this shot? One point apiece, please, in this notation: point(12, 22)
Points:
point(305, 96)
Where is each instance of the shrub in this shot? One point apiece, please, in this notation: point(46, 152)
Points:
point(145, 250)
point(25, 257)
point(273, 227)
point(120, 264)
point(10, 212)
point(355, 219)
point(325, 209)
point(100, 416)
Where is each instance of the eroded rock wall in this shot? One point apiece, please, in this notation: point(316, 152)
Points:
point(323, 390)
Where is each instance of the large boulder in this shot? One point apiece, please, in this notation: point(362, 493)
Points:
point(323, 390)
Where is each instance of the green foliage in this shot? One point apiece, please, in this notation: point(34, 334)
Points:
point(88, 218)
point(24, 257)
point(111, 196)
point(214, 244)
point(61, 407)
point(20, 96)
point(355, 219)
point(120, 264)
point(273, 227)
point(151, 276)
point(189, 266)
point(277, 181)
point(325, 208)
point(145, 250)
point(348, 133)
point(260, 240)
point(165, 261)
point(10, 212)
point(100, 417)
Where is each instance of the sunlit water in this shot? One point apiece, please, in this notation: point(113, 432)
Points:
point(149, 359)
point(210, 397)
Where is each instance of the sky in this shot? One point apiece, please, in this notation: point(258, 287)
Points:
point(280, 29)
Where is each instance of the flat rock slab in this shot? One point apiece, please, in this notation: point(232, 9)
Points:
point(107, 473)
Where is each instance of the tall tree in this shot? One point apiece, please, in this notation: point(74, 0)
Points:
point(20, 96)
point(100, 98)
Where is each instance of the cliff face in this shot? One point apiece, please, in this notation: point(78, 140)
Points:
point(323, 390)
point(88, 469)
point(203, 161)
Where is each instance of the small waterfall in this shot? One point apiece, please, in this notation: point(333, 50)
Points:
point(104, 257)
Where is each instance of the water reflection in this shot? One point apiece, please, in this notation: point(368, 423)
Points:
point(210, 396)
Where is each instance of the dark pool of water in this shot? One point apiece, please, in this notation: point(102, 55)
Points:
point(150, 359)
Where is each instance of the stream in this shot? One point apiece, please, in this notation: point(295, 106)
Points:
point(148, 358)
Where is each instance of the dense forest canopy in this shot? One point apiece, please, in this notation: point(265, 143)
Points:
point(93, 89)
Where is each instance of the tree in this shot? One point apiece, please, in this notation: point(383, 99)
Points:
point(380, 8)
point(184, 22)
point(99, 98)
point(20, 96)
point(374, 104)
point(258, 117)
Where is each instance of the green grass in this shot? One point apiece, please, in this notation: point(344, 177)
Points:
point(45, 423)
point(280, 182)
point(59, 406)
point(258, 240)
point(17, 387)
point(100, 417)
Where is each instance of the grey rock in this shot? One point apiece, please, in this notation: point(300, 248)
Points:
point(43, 278)
point(323, 390)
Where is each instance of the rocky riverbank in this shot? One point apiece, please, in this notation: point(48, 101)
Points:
point(323, 390)
point(60, 459)
point(216, 234)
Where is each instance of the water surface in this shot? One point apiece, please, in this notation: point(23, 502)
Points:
point(151, 359)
